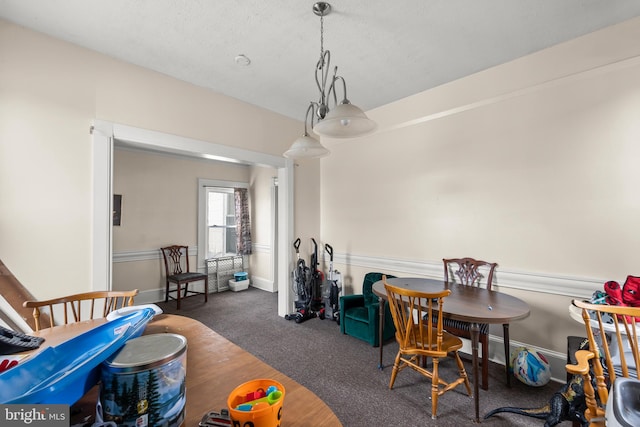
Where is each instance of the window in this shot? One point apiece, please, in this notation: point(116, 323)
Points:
point(216, 219)
point(221, 222)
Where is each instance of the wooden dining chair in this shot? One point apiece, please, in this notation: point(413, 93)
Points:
point(613, 353)
point(177, 272)
point(419, 340)
point(78, 307)
point(471, 272)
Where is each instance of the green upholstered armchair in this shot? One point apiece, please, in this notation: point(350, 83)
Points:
point(359, 313)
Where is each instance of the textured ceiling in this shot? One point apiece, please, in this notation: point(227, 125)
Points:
point(385, 50)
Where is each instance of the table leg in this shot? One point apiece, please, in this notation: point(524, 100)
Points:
point(475, 336)
point(380, 328)
point(507, 351)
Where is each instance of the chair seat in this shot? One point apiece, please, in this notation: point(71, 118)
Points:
point(358, 313)
point(187, 277)
point(450, 342)
point(464, 326)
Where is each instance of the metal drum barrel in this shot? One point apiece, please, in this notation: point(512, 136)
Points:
point(144, 383)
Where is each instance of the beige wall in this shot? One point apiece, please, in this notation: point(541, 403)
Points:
point(307, 197)
point(50, 91)
point(160, 197)
point(530, 164)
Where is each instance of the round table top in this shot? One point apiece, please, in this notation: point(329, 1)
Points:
point(467, 303)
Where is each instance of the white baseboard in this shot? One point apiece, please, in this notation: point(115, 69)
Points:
point(264, 284)
point(152, 296)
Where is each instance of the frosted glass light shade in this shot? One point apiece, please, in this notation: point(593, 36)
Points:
point(306, 147)
point(345, 121)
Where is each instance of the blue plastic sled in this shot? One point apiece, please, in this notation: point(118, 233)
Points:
point(64, 373)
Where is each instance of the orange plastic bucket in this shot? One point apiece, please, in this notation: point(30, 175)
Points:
point(256, 403)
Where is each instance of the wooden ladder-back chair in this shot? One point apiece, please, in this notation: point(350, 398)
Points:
point(469, 272)
point(79, 307)
point(177, 271)
point(420, 339)
point(613, 353)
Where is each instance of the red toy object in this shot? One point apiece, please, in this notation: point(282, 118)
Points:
point(627, 296)
point(254, 395)
point(6, 364)
point(9, 361)
point(631, 291)
point(614, 293)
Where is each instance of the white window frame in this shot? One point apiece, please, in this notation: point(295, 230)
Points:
point(203, 185)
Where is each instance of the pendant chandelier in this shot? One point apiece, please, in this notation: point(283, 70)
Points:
point(343, 120)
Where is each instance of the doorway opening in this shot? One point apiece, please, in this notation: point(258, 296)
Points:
point(106, 134)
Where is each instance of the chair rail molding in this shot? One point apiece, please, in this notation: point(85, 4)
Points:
point(506, 279)
point(261, 248)
point(503, 279)
point(145, 255)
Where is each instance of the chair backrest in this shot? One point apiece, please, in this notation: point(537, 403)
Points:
point(71, 308)
point(367, 285)
point(613, 357)
point(469, 271)
point(176, 259)
point(408, 309)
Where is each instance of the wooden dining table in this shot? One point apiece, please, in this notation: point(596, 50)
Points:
point(215, 366)
point(466, 303)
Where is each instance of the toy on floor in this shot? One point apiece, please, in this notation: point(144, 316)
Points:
point(567, 404)
point(216, 419)
point(531, 367)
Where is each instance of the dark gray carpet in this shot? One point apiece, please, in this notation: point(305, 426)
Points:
point(343, 371)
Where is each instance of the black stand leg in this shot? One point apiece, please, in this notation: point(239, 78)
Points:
point(507, 352)
point(381, 329)
point(475, 335)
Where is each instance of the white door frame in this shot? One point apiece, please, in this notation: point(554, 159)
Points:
point(104, 134)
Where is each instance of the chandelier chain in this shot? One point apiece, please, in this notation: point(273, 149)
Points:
point(321, 35)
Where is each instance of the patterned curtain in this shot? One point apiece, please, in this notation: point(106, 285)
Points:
point(243, 221)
